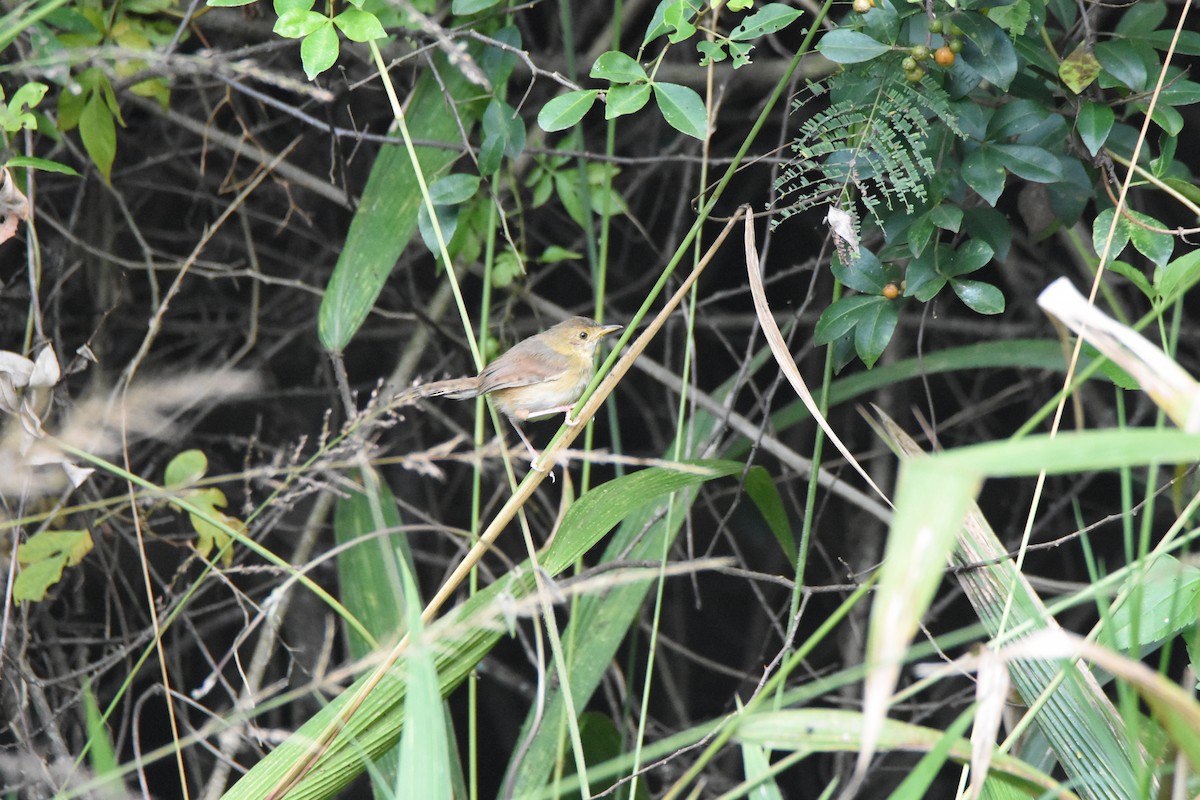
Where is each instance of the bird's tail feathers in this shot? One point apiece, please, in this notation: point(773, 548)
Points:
point(455, 389)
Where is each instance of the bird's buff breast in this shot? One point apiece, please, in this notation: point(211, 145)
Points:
point(524, 402)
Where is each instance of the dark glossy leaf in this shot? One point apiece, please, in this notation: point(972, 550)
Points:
point(983, 298)
point(1152, 244)
point(865, 275)
point(467, 7)
point(988, 49)
point(1094, 122)
point(983, 170)
point(989, 225)
point(922, 279)
point(844, 46)
point(1120, 59)
point(1016, 118)
point(946, 216)
point(840, 318)
point(1030, 163)
point(1100, 228)
point(971, 256)
point(877, 323)
point(451, 189)
point(1141, 18)
point(497, 64)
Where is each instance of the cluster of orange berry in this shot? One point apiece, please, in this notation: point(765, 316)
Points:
point(943, 56)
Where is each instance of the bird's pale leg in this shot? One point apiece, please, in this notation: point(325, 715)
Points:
point(533, 454)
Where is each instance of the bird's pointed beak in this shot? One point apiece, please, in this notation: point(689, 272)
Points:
point(605, 330)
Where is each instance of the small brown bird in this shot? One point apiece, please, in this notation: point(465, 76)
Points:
point(539, 376)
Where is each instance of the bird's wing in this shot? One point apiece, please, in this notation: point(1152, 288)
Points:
point(526, 363)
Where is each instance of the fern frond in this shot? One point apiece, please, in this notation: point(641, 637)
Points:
point(869, 145)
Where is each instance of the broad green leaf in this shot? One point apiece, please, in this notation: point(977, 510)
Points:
point(208, 533)
point(1178, 276)
point(465, 7)
point(771, 18)
point(497, 63)
point(1030, 163)
point(425, 764)
point(99, 134)
point(1120, 59)
point(983, 170)
point(1141, 18)
point(1094, 122)
point(229, 3)
point(284, 6)
point(13, 115)
point(840, 317)
point(503, 135)
point(367, 523)
point(675, 10)
point(617, 67)
point(826, 730)
point(453, 189)
point(980, 297)
point(447, 217)
point(756, 764)
point(103, 756)
point(866, 275)
point(319, 50)
point(186, 467)
point(844, 46)
point(565, 110)
point(1079, 69)
point(677, 17)
point(946, 216)
point(625, 99)
point(1135, 276)
point(876, 324)
point(922, 279)
point(387, 213)
point(1165, 603)
point(44, 164)
point(761, 488)
point(988, 49)
point(989, 225)
point(682, 108)
point(1188, 43)
point(603, 508)
point(711, 52)
point(1018, 118)
point(43, 558)
point(1100, 227)
point(298, 23)
point(359, 26)
point(1153, 244)
point(968, 258)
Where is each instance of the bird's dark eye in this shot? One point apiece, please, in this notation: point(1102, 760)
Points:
point(583, 334)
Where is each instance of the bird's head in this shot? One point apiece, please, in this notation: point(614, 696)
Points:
point(578, 335)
